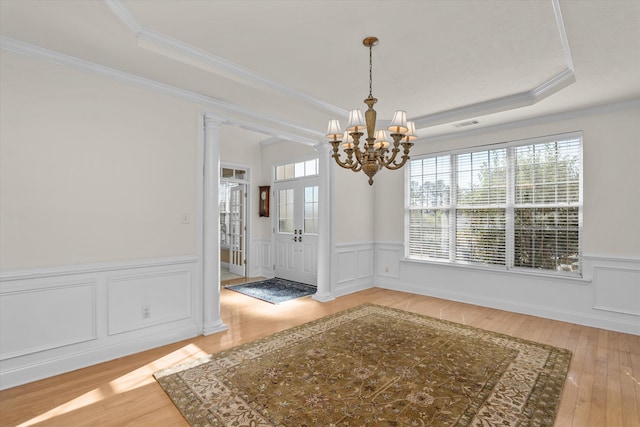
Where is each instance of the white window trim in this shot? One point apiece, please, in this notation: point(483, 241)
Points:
point(510, 206)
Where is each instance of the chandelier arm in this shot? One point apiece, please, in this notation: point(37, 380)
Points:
point(389, 160)
point(348, 163)
point(405, 156)
point(394, 152)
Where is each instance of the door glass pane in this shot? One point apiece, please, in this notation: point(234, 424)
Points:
point(311, 210)
point(285, 211)
point(311, 167)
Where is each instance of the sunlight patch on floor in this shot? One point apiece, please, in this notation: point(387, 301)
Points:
point(130, 381)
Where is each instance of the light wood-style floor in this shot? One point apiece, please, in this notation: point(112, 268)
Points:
point(602, 387)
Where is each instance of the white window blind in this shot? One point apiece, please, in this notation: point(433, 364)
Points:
point(481, 206)
point(516, 205)
point(429, 202)
point(548, 205)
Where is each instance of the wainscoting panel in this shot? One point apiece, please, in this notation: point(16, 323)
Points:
point(140, 301)
point(607, 296)
point(617, 290)
point(43, 318)
point(64, 318)
point(355, 267)
point(347, 267)
point(388, 256)
point(261, 264)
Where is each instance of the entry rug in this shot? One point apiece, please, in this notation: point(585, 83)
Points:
point(275, 290)
point(373, 366)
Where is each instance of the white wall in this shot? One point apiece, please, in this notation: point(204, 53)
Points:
point(92, 170)
point(95, 179)
point(354, 199)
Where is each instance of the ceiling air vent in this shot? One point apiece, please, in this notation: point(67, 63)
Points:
point(467, 123)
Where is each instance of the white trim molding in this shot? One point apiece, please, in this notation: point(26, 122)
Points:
point(55, 320)
point(607, 296)
point(354, 267)
point(244, 118)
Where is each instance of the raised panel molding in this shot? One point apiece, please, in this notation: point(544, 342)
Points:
point(617, 289)
point(44, 318)
point(607, 297)
point(346, 266)
point(141, 301)
point(59, 319)
point(355, 267)
point(260, 263)
point(387, 259)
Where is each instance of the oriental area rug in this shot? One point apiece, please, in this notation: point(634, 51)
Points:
point(275, 290)
point(373, 366)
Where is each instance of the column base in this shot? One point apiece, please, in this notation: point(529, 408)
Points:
point(214, 328)
point(323, 297)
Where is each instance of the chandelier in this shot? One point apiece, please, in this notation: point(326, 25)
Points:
point(375, 153)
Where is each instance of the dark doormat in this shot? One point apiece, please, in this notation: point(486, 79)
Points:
point(275, 290)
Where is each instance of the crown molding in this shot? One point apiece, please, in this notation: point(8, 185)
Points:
point(276, 128)
point(191, 55)
point(567, 115)
point(248, 119)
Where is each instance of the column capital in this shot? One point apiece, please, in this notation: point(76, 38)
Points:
point(323, 146)
point(211, 121)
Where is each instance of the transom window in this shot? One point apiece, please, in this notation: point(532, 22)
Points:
point(515, 206)
point(296, 170)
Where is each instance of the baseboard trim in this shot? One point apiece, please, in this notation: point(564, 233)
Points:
point(601, 322)
point(69, 362)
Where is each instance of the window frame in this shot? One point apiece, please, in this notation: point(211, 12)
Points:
point(510, 206)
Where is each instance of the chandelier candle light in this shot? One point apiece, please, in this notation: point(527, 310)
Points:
point(375, 153)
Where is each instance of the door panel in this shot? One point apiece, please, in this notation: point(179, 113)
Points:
point(296, 237)
point(237, 235)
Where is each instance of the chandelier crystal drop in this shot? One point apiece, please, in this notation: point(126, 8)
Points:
point(375, 152)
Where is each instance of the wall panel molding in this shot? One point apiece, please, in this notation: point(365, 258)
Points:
point(48, 317)
point(608, 296)
point(355, 268)
point(58, 319)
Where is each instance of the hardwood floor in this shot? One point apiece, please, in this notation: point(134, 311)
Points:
point(602, 387)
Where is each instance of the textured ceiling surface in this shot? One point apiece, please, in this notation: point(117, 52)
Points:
point(283, 68)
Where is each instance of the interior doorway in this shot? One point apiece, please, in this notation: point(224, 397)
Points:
point(233, 223)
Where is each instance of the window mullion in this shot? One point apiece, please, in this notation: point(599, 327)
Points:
point(453, 208)
point(510, 211)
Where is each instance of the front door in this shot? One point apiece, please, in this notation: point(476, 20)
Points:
point(237, 231)
point(296, 230)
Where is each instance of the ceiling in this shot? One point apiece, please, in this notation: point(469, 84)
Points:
point(284, 68)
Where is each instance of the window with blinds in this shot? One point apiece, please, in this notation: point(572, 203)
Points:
point(516, 205)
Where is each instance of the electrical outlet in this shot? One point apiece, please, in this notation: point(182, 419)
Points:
point(146, 311)
point(386, 269)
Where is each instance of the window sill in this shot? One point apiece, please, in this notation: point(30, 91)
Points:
point(498, 270)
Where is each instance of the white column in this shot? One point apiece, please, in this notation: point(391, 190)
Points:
point(325, 224)
point(212, 321)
